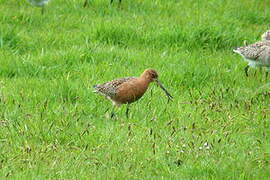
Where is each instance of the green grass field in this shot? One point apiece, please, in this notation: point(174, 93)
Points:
point(53, 127)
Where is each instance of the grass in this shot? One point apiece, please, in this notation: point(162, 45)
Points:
point(53, 127)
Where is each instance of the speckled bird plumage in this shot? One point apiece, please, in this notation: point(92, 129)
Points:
point(257, 54)
point(110, 89)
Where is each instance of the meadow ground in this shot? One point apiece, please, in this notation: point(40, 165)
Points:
point(53, 127)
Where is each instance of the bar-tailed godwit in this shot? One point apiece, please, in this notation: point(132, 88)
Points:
point(129, 89)
point(257, 54)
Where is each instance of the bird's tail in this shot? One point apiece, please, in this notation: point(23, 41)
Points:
point(95, 87)
point(236, 50)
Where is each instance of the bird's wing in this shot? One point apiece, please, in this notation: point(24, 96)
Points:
point(110, 88)
point(253, 51)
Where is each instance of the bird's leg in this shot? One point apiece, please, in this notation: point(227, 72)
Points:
point(85, 3)
point(42, 10)
point(111, 1)
point(246, 70)
point(267, 72)
point(151, 92)
point(112, 113)
point(127, 111)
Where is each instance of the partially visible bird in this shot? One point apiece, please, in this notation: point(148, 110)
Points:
point(266, 36)
point(130, 89)
point(86, 2)
point(39, 3)
point(257, 54)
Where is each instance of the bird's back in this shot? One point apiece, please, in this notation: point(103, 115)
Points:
point(123, 90)
point(254, 52)
point(131, 91)
point(110, 88)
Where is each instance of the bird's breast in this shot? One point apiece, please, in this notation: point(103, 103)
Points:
point(131, 91)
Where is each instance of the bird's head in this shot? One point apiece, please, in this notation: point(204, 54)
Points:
point(266, 36)
point(152, 76)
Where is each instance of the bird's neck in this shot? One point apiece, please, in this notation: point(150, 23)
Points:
point(145, 80)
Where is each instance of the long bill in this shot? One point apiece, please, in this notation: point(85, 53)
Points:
point(165, 90)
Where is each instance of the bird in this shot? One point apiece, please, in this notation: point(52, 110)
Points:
point(266, 36)
point(129, 89)
point(86, 2)
point(39, 3)
point(257, 54)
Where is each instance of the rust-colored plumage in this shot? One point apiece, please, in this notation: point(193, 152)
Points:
point(129, 89)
